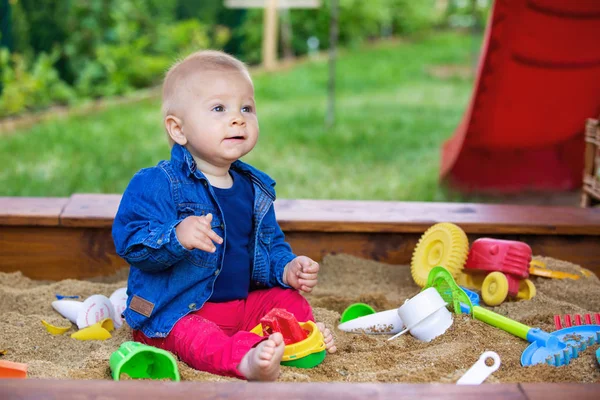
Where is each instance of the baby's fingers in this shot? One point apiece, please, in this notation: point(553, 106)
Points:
point(312, 268)
point(303, 275)
point(205, 244)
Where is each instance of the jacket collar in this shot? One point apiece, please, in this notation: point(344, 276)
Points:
point(183, 158)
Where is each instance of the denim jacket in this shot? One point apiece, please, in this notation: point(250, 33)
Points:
point(167, 281)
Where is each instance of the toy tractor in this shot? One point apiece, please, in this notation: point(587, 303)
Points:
point(497, 268)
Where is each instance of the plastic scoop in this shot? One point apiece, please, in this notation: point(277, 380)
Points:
point(480, 370)
point(94, 309)
point(425, 316)
point(384, 322)
point(556, 348)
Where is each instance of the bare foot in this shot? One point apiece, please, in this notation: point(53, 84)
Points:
point(328, 338)
point(262, 362)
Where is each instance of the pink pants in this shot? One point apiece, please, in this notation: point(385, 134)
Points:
point(216, 337)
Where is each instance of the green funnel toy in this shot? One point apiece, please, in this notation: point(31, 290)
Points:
point(141, 361)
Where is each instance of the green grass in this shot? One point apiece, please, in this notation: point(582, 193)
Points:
point(392, 117)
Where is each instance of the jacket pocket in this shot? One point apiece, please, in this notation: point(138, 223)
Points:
point(199, 257)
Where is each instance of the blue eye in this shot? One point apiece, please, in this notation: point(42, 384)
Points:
point(219, 109)
point(247, 109)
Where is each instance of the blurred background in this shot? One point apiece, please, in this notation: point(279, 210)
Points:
point(80, 92)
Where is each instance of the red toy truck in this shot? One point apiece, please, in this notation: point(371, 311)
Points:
point(498, 268)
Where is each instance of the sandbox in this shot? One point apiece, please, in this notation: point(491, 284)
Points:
point(57, 239)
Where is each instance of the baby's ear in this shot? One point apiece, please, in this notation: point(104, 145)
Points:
point(174, 128)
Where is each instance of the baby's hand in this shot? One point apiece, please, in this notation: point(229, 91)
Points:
point(301, 273)
point(196, 233)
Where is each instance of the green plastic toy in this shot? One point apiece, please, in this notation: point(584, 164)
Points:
point(356, 310)
point(141, 361)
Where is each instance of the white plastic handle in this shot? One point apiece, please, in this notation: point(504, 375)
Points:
point(480, 370)
point(398, 334)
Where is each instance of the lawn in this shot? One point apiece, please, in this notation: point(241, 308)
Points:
point(392, 117)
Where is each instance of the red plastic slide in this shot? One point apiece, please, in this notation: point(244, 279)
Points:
point(538, 81)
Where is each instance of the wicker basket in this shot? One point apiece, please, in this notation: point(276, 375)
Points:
point(591, 175)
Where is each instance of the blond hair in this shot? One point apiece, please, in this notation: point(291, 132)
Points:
point(204, 60)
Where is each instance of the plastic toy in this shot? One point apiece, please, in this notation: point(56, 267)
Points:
point(55, 330)
point(308, 352)
point(10, 369)
point(384, 322)
point(356, 310)
point(98, 331)
point(119, 301)
point(479, 372)
point(577, 320)
point(140, 361)
point(283, 321)
point(94, 309)
point(442, 244)
point(499, 268)
point(556, 348)
point(538, 268)
point(425, 316)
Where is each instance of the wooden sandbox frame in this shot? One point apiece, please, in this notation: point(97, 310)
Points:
point(591, 175)
point(59, 238)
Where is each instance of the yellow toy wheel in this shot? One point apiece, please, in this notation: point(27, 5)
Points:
point(494, 289)
point(526, 290)
point(443, 244)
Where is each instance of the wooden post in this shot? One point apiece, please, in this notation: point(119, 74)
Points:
point(270, 23)
point(333, 36)
point(269, 50)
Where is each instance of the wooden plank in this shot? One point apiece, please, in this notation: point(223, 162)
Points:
point(35, 211)
point(91, 210)
point(382, 216)
point(98, 210)
point(148, 390)
point(55, 253)
point(544, 391)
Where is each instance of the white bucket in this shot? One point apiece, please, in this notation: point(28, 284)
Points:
point(384, 323)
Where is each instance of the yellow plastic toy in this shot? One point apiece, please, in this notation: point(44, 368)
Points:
point(538, 268)
point(307, 353)
point(98, 331)
point(55, 330)
point(494, 287)
point(442, 244)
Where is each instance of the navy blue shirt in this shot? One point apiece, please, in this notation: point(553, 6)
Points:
point(237, 204)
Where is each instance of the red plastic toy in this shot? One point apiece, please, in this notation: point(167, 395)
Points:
point(499, 268)
point(283, 321)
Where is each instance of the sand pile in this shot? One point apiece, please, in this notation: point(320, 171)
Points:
point(361, 358)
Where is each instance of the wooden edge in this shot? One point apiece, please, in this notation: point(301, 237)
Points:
point(34, 211)
point(99, 210)
point(90, 210)
point(148, 390)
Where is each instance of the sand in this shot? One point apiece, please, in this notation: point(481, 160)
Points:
point(360, 358)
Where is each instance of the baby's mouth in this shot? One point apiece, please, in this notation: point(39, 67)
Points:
point(239, 137)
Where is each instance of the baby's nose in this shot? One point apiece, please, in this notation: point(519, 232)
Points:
point(238, 120)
